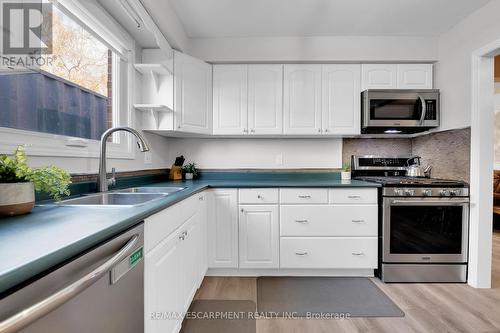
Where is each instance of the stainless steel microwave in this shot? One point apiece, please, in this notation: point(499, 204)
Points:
point(399, 111)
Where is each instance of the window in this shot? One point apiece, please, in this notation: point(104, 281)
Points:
point(71, 95)
point(79, 91)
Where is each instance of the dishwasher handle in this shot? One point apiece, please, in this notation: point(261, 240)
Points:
point(38, 310)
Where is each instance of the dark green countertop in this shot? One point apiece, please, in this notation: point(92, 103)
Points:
point(34, 243)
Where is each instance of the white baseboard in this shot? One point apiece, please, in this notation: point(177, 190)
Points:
point(364, 272)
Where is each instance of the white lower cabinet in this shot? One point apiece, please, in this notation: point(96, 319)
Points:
point(328, 252)
point(259, 236)
point(223, 228)
point(175, 266)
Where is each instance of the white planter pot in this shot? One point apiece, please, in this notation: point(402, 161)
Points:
point(189, 176)
point(345, 175)
point(16, 198)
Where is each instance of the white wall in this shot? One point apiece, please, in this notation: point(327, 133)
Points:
point(453, 70)
point(258, 153)
point(321, 49)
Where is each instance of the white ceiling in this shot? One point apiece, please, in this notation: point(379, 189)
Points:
point(263, 18)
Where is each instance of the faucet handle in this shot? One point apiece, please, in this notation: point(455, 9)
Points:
point(112, 180)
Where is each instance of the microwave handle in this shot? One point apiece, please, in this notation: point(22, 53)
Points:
point(424, 109)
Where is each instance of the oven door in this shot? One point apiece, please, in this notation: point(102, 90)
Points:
point(400, 109)
point(425, 230)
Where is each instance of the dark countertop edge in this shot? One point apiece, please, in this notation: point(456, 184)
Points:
point(10, 278)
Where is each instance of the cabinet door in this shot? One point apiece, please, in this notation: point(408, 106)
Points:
point(341, 99)
point(230, 99)
point(259, 236)
point(223, 229)
point(192, 95)
point(379, 76)
point(415, 76)
point(202, 246)
point(162, 278)
point(302, 99)
point(190, 259)
point(265, 99)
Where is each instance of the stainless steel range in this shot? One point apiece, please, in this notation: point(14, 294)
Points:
point(423, 222)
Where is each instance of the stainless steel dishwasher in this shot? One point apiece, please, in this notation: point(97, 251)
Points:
point(99, 291)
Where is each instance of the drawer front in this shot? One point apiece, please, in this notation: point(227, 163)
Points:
point(328, 220)
point(328, 252)
point(303, 196)
point(159, 226)
point(353, 196)
point(258, 196)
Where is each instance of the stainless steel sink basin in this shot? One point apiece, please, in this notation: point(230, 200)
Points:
point(112, 199)
point(152, 189)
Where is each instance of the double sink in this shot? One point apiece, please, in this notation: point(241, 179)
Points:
point(134, 196)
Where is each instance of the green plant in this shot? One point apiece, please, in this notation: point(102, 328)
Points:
point(346, 167)
point(51, 179)
point(191, 168)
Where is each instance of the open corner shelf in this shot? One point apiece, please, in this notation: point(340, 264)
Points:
point(152, 107)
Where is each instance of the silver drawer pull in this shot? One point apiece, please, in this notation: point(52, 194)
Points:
point(304, 196)
point(303, 253)
point(354, 196)
point(358, 253)
point(302, 221)
point(358, 221)
point(260, 196)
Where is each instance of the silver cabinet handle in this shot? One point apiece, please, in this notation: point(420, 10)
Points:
point(302, 221)
point(38, 310)
point(358, 221)
point(201, 198)
point(303, 253)
point(260, 196)
point(358, 253)
point(245, 130)
point(182, 237)
point(354, 196)
point(304, 196)
point(319, 130)
point(252, 130)
point(242, 210)
point(326, 130)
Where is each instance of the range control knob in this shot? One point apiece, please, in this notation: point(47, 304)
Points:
point(455, 193)
point(444, 193)
point(399, 191)
point(409, 192)
point(427, 193)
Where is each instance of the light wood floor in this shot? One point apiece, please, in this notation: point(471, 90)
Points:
point(428, 307)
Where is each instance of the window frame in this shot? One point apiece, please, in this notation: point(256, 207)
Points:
point(94, 17)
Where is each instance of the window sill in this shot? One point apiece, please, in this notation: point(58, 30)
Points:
point(46, 144)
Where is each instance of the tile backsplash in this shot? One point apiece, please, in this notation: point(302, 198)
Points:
point(448, 152)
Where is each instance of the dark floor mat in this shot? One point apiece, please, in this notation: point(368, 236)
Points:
point(219, 316)
point(305, 296)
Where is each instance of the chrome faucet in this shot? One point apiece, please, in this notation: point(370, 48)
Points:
point(102, 181)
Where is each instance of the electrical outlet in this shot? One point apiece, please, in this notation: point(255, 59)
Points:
point(279, 159)
point(148, 159)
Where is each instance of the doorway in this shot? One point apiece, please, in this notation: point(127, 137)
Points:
point(482, 165)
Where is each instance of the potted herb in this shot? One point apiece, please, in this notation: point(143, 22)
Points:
point(18, 183)
point(190, 171)
point(346, 171)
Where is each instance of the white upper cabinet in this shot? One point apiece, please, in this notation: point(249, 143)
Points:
point(379, 76)
point(415, 76)
point(341, 99)
point(302, 99)
point(192, 94)
point(265, 99)
point(392, 76)
point(247, 99)
point(230, 99)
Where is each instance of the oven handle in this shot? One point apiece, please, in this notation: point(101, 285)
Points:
point(424, 109)
point(446, 202)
